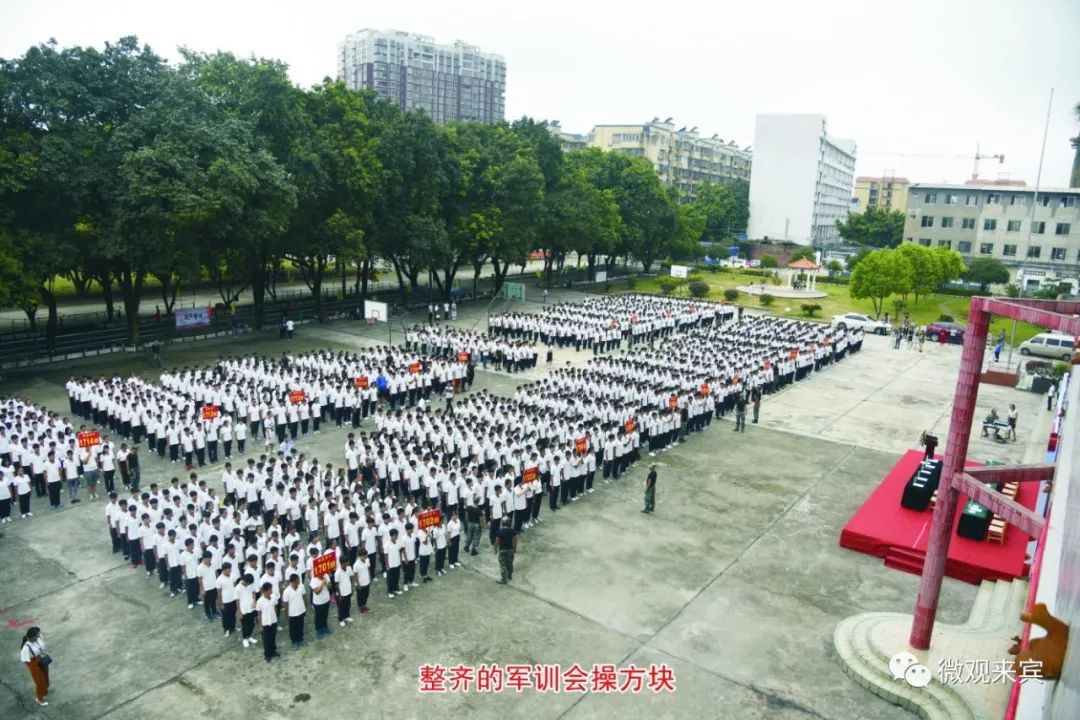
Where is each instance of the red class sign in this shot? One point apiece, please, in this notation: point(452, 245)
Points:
point(630, 425)
point(362, 382)
point(414, 368)
point(428, 518)
point(296, 397)
point(581, 445)
point(324, 564)
point(209, 412)
point(530, 474)
point(704, 389)
point(89, 439)
point(673, 402)
point(463, 357)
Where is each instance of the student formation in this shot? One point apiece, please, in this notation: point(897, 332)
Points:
point(250, 551)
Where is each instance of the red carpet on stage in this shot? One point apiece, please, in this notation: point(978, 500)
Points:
point(884, 529)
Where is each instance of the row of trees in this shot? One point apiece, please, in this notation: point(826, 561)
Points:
point(116, 167)
point(910, 269)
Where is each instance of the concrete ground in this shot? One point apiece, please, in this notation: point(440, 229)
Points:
point(736, 582)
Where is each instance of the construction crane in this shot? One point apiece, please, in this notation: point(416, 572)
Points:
point(977, 157)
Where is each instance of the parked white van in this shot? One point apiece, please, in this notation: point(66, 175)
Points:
point(1052, 345)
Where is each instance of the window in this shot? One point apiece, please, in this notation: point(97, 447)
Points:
point(1014, 226)
point(951, 200)
point(928, 221)
point(1045, 201)
point(1062, 229)
point(964, 246)
point(930, 198)
point(986, 248)
point(946, 222)
point(989, 224)
point(968, 223)
point(1013, 199)
point(944, 243)
point(1034, 252)
point(925, 242)
point(993, 199)
point(1068, 201)
point(1035, 341)
point(1038, 228)
point(971, 200)
point(1057, 253)
point(1009, 251)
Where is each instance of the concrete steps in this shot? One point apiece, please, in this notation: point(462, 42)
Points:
point(866, 642)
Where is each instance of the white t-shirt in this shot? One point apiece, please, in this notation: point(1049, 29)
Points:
point(294, 599)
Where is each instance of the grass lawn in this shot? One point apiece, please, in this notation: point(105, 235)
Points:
point(928, 309)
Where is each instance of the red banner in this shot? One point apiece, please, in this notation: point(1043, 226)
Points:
point(629, 425)
point(324, 564)
point(704, 389)
point(581, 445)
point(89, 439)
point(428, 518)
point(463, 357)
point(530, 474)
point(414, 368)
point(361, 382)
point(209, 412)
point(673, 402)
point(296, 397)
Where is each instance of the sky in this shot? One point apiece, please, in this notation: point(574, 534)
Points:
point(916, 84)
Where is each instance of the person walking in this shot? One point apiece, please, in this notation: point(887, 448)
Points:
point(650, 490)
point(755, 398)
point(506, 547)
point(37, 661)
point(1013, 415)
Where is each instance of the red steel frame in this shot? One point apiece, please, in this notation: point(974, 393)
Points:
point(1051, 314)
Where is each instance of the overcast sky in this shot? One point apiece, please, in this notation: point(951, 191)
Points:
point(915, 83)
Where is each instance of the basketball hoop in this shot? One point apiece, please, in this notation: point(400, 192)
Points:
point(373, 319)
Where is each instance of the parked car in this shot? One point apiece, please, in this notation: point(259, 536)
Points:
point(755, 263)
point(955, 330)
point(863, 322)
point(1051, 345)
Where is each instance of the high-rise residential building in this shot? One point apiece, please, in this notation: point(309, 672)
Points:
point(683, 158)
point(450, 82)
point(801, 182)
point(886, 193)
point(986, 219)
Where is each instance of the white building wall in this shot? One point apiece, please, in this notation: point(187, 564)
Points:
point(801, 180)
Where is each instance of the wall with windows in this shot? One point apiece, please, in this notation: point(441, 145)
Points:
point(996, 221)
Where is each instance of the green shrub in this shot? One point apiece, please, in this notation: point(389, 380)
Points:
point(767, 300)
point(810, 309)
point(731, 294)
point(945, 317)
point(695, 277)
point(698, 289)
point(667, 284)
point(1012, 290)
point(1059, 370)
point(775, 280)
point(769, 261)
point(1040, 367)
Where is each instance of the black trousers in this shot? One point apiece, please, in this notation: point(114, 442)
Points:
point(269, 633)
point(24, 507)
point(440, 559)
point(362, 596)
point(344, 605)
point(228, 616)
point(210, 603)
point(247, 625)
point(322, 612)
point(175, 581)
point(392, 575)
point(455, 547)
point(296, 628)
point(425, 562)
point(54, 492)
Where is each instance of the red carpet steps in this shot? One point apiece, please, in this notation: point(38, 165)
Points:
point(866, 642)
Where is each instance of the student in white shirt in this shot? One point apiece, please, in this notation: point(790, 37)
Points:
point(208, 586)
point(363, 582)
point(293, 599)
point(245, 600)
point(320, 600)
point(227, 590)
point(343, 580)
point(392, 551)
point(267, 611)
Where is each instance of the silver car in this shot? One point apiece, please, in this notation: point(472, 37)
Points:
point(1051, 345)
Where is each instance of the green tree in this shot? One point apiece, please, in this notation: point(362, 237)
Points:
point(880, 274)
point(835, 267)
point(805, 252)
point(726, 209)
point(987, 271)
point(876, 227)
point(769, 261)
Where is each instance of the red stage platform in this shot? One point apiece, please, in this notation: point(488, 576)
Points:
point(884, 529)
